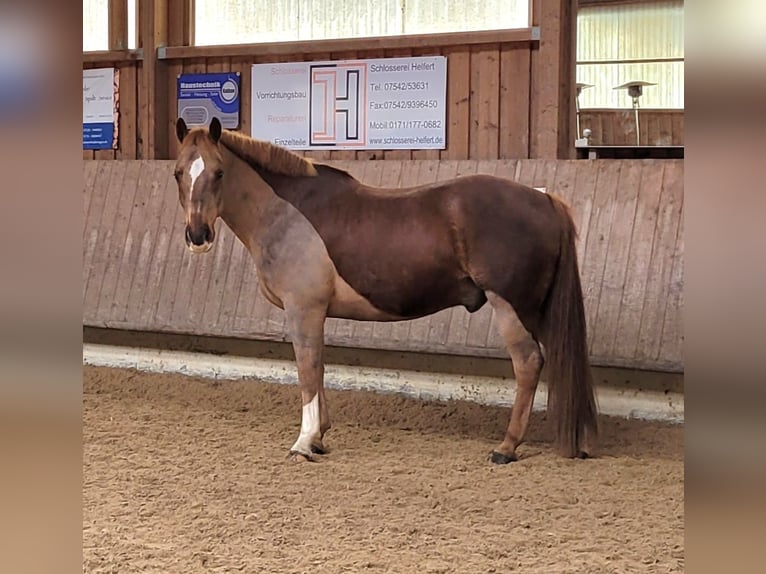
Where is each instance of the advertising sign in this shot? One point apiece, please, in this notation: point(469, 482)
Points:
point(204, 96)
point(388, 103)
point(99, 108)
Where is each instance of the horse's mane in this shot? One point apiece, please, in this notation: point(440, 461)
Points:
point(263, 154)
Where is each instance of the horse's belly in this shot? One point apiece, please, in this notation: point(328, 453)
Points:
point(346, 303)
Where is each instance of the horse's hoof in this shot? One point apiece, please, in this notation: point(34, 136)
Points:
point(296, 456)
point(318, 449)
point(582, 454)
point(500, 458)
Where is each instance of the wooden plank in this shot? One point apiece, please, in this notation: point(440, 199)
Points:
point(118, 24)
point(89, 172)
point(219, 265)
point(141, 119)
point(244, 67)
point(414, 41)
point(592, 270)
point(515, 74)
point(586, 179)
point(672, 340)
point(169, 256)
point(128, 108)
point(503, 168)
point(657, 285)
point(636, 277)
point(485, 103)
point(617, 259)
point(458, 102)
point(464, 167)
point(92, 231)
point(180, 22)
point(563, 184)
point(249, 295)
point(238, 260)
point(146, 278)
point(174, 70)
point(678, 128)
point(526, 171)
point(122, 241)
point(146, 211)
point(112, 192)
point(545, 173)
point(102, 154)
point(552, 77)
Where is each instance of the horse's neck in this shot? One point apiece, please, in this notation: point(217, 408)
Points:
point(247, 200)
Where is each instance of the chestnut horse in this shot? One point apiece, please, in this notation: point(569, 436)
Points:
point(325, 245)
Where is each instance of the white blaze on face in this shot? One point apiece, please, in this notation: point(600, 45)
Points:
point(195, 170)
point(309, 426)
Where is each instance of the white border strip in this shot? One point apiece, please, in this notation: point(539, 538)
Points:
point(646, 405)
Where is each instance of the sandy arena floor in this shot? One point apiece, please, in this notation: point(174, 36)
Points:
point(186, 475)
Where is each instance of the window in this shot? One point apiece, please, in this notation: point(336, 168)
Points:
point(251, 21)
point(631, 42)
point(95, 25)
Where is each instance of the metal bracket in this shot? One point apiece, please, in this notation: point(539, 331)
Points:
point(535, 32)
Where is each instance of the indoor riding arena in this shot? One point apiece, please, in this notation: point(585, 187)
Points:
point(202, 363)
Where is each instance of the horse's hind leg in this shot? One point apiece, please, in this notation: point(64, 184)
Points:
point(527, 364)
point(307, 334)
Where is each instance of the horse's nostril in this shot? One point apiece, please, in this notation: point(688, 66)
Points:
point(188, 235)
point(207, 233)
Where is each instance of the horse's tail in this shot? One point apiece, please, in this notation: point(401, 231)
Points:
point(571, 401)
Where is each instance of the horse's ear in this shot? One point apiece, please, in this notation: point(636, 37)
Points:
point(215, 130)
point(181, 129)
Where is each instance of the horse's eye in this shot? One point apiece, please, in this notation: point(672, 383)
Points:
point(218, 173)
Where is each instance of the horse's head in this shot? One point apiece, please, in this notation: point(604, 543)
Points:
point(199, 171)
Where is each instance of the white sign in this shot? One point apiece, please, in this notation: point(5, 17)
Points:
point(388, 103)
point(98, 108)
point(98, 95)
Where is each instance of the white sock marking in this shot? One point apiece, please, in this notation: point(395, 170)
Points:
point(195, 170)
point(309, 426)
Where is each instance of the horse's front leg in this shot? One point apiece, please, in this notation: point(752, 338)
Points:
point(307, 333)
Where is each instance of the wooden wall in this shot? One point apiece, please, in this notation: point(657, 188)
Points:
point(488, 89)
point(138, 273)
point(491, 78)
point(618, 127)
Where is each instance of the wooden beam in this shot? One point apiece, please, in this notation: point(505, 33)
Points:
point(153, 140)
point(180, 22)
point(118, 24)
point(112, 56)
point(521, 35)
point(552, 82)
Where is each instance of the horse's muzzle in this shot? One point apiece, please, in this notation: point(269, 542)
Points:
point(199, 239)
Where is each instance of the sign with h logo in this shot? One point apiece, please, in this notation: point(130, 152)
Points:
point(390, 103)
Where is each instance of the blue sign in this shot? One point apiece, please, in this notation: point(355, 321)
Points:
point(201, 97)
point(98, 136)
